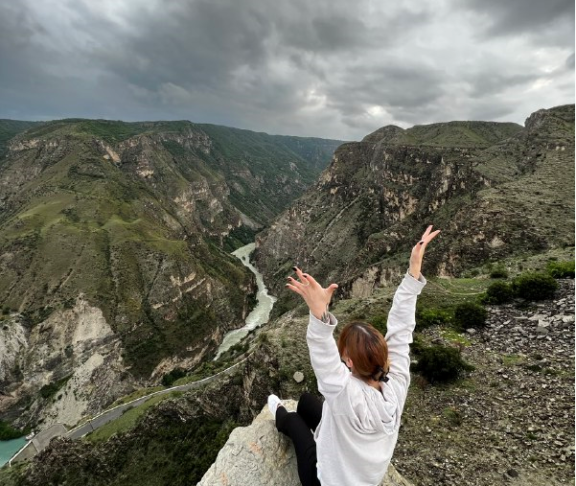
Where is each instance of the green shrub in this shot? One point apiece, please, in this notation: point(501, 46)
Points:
point(561, 269)
point(535, 286)
point(432, 317)
point(470, 314)
point(48, 391)
point(417, 345)
point(441, 364)
point(263, 338)
point(7, 432)
point(499, 272)
point(453, 415)
point(237, 380)
point(380, 322)
point(169, 378)
point(499, 293)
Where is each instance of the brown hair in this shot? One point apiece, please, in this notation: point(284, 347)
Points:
point(367, 349)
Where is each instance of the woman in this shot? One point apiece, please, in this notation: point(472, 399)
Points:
point(364, 381)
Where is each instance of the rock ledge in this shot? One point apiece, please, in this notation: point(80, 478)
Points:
point(261, 456)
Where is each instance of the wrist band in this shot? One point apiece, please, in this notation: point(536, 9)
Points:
point(325, 317)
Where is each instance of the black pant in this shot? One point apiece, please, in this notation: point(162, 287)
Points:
point(297, 425)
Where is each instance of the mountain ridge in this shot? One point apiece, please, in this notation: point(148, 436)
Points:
point(377, 197)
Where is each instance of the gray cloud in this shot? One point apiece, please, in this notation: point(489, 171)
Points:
point(322, 68)
point(548, 21)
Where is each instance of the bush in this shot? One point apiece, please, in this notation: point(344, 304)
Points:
point(48, 391)
point(441, 364)
point(470, 314)
point(417, 345)
point(499, 272)
point(169, 378)
point(561, 269)
point(535, 286)
point(380, 322)
point(432, 317)
point(499, 293)
point(7, 432)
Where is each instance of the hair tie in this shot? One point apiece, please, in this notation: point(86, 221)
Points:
point(383, 377)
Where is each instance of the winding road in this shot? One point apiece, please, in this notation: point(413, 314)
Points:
point(256, 318)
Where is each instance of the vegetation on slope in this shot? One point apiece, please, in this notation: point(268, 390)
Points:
point(139, 219)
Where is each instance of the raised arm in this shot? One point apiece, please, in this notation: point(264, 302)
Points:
point(331, 373)
point(401, 322)
point(402, 317)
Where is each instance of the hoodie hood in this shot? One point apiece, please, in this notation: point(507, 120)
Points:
point(377, 411)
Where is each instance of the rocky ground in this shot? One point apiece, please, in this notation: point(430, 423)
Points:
point(511, 421)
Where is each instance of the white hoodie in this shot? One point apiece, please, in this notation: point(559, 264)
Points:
point(359, 428)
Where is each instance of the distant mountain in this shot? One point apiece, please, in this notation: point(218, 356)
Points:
point(114, 249)
point(495, 189)
point(9, 129)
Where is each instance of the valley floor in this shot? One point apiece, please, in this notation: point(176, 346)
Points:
point(511, 421)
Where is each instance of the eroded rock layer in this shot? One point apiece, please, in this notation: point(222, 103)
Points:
point(495, 189)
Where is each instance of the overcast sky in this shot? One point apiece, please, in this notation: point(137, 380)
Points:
point(327, 68)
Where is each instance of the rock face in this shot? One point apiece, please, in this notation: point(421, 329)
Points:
point(494, 190)
point(259, 455)
point(114, 252)
point(73, 358)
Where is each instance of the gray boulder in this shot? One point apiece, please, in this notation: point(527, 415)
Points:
point(259, 455)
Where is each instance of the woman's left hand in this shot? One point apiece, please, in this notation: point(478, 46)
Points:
point(316, 297)
point(417, 254)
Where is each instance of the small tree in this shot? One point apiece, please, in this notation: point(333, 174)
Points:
point(499, 272)
point(499, 293)
point(441, 364)
point(470, 314)
point(169, 378)
point(535, 286)
point(561, 269)
point(432, 317)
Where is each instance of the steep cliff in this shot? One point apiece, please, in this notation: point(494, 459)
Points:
point(114, 241)
point(494, 189)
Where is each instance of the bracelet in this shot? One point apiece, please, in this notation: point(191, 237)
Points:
point(412, 275)
point(325, 317)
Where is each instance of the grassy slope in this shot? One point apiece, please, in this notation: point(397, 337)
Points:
point(96, 234)
point(460, 134)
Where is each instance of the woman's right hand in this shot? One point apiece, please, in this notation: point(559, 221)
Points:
point(317, 297)
point(418, 252)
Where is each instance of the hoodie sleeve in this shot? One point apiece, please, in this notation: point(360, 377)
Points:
point(401, 323)
point(331, 374)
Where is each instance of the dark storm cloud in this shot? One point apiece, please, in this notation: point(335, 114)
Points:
point(326, 68)
point(490, 83)
point(548, 20)
point(396, 86)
